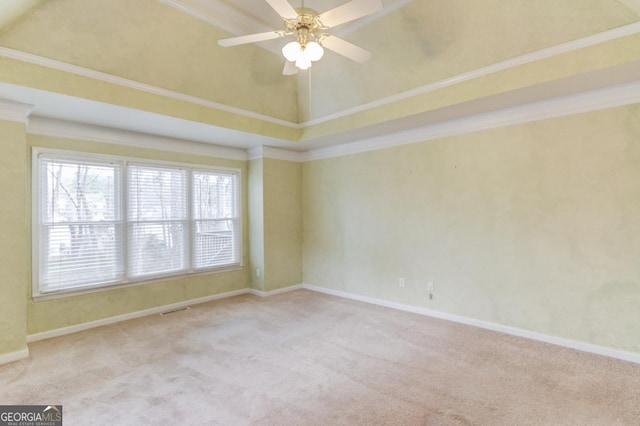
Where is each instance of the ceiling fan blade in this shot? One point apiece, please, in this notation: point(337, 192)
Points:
point(345, 48)
point(349, 11)
point(289, 68)
point(284, 8)
point(251, 38)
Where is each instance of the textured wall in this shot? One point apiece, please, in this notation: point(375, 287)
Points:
point(47, 79)
point(14, 263)
point(282, 223)
point(535, 226)
point(427, 41)
point(150, 42)
point(275, 223)
point(600, 56)
point(57, 313)
point(11, 10)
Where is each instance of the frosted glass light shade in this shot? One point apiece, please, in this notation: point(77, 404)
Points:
point(303, 62)
point(313, 51)
point(302, 56)
point(292, 51)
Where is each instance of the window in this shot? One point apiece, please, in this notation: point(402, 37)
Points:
point(157, 220)
point(80, 224)
point(102, 221)
point(216, 218)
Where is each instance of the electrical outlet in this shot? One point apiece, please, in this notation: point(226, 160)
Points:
point(258, 272)
point(401, 282)
point(430, 289)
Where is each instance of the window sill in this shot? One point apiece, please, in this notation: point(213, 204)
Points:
point(58, 294)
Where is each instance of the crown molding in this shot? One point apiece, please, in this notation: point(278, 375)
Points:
point(274, 154)
point(610, 97)
point(501, 66)
point(131, 84)
point(480, 72)
point(15, 111)
point(255, 153)
point(67, 129)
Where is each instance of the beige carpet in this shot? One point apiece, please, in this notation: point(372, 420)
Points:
point(304, 358)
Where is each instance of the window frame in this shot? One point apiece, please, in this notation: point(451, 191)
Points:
point(129, 223)
point(128, 281)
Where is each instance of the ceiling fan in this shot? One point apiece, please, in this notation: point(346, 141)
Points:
point(308, 26)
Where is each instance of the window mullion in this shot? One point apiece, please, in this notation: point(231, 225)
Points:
point(124, 218)
point(190, 222)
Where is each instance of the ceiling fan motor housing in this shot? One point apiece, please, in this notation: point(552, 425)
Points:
point(306, 24)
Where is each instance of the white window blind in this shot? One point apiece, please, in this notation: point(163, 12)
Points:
point(102, 221)
point(216, 219)
point(80, 226)
point(157, 219)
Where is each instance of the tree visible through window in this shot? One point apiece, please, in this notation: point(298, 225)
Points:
point(80, 235)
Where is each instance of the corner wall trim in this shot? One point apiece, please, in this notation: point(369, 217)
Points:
point(274, 292)
point(132, 315)
point(15, 111)
point(274, 154)
point(532, 335)
point(14, 356)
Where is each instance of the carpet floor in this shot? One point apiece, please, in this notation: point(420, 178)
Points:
point(304, 358)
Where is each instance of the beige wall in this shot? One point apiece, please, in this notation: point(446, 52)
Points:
point(57, 313)
point(14, 265)
point(283, 223)
point(150, 42)
point(535, 226)
point(607, 55)
point(271, 195)
point(275, 207)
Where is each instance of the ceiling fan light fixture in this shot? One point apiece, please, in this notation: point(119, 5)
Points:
point(292, 51)
point(313, 51)
point(302, 55)
point(303, 62)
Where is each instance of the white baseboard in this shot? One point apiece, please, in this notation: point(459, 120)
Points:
point(14, 356)
point(559, 341)
point(274, 292)
point(119, 318)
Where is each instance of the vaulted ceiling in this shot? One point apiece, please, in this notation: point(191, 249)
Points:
point(429, 56)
